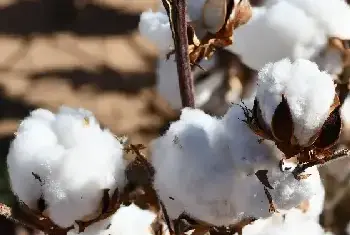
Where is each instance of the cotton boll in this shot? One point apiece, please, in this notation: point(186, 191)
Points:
point(66, 159)
point(301, 83)
point(155, 27)
point(168, 82)
point(283, 31)
point(128, 220)
point(292, 29)
point(193, 174)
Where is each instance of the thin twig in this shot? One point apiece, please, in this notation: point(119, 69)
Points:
point(176, 10)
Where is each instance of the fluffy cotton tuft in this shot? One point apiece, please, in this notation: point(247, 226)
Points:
point(67, 160)
point(292, 29)
point(205, 167)
point(309, 93)
point(128, 220)
point(155, 27)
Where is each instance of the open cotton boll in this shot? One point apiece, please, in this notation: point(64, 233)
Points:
point(155, 27)
point(168, 82)
point(193, 172)
point(301, 82)
point(283, 30)
point(66, 159)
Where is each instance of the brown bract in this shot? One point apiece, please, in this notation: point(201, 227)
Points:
point(281, 131)
point(220, 27)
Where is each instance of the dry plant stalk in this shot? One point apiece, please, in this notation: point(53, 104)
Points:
point(177, 10)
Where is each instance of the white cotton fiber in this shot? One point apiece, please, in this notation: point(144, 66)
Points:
point(292, 29)
point(155, 27)
point(168, 82)
point(74, 159)
point(294, 222)
point(333, 15)
point(206, 168)
point(309, 93)
point(128, 220)
point(275, 32)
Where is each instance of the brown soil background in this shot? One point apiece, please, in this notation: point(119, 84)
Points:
point(93, 58)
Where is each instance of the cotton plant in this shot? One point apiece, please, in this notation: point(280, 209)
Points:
point(264, 152)
point(310, 29)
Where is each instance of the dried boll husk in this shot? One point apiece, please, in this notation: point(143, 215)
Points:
point(281, 131)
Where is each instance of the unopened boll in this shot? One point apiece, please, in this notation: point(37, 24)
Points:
point(67, 160)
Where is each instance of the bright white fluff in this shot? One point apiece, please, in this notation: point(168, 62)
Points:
point(294, 222)
point(308, 91)
point(128, 220)
point(205, 167)
point(293, 29)
point(74, 158)
point(168, 82)
point(155, 27)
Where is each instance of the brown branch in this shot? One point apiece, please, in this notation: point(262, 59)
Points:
point(176, 10)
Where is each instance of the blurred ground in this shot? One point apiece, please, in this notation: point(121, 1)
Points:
point(92, 56)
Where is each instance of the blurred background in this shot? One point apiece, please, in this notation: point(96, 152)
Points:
point(89, 54)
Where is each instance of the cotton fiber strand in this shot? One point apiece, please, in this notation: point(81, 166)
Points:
point(67, 160)
point(309, 93)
